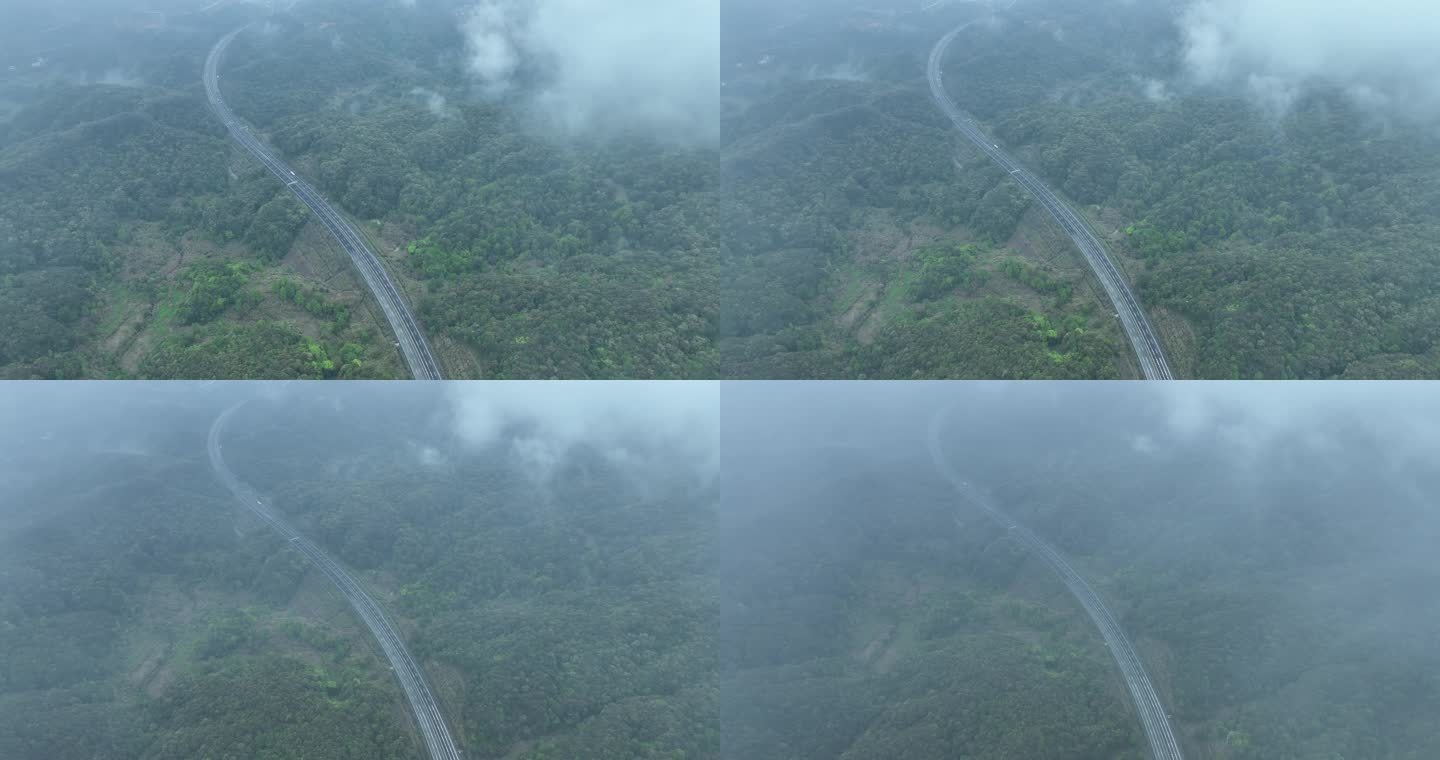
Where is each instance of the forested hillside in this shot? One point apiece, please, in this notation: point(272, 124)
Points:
point(860, 622)
point(526, 254)
point(136, 243)
point(1268, 554)
point(1297, 244)
point(541, 258)
point(145, 614)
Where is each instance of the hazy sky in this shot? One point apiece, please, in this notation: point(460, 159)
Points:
point(541, 421)
point(1385, 52)
point(1243, 422)
point(648, 66)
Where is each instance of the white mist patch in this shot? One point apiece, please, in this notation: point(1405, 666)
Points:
point(639, 66)
point(1143, 444)
point(1154, 90)
point(428, 456)
point(1384, 50)
point(119, 78)
point(843, 72)
point(434, 101)
point(1248, 418)
point(494, 37)
point(539, 423)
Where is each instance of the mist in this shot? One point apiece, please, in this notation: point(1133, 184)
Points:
point(634, 425)
point(1270, 547)
point(1382, 52)
point(343, 529)
point(434, 102)
point(598, 69)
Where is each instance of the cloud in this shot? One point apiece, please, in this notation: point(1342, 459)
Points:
point(630, 423)
point(493, 31)
point(1249, 418)
point(434, 101)
point(594, 67)
point(1154, 89)
point(1143, 444)
point(428, 456)
point(844, 72)
point(115, 76)
point(1382, 50)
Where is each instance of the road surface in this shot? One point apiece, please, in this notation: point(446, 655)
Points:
point(1149, 352)
point(1153, 717)
point(422, 702)
point(408, 335)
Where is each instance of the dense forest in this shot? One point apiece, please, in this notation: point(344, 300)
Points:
point(136, 243)
point(1268, 552)
point(144, 614)
point(1292, 245)
point(525, 254)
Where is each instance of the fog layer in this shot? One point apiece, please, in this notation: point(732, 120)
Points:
point(641, 66)
point(540, 422)
point(1383, 52)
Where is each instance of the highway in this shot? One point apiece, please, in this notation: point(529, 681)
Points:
point(423, 705)
point(408, 335)
point(1153, 718)
point(1139, 331)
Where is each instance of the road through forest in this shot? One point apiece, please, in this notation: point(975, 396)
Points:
point(428, 718)
point(1136, 325)
point(409, 338)
point(1153, 718)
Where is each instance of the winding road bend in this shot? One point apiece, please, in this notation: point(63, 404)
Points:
point(426, 709)
point(1151, 711)
point(408, 335)
point(1148, 350)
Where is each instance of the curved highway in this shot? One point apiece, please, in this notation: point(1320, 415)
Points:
point(1153, 717)
point(422, 702)
point(1149, 352)
point(408, 335)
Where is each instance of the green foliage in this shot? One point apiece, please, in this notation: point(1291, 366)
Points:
point(634, 316)
point(74, 164)
point(260, 349)
point(230, 631)
point(40, 308)
point(1276, 313)
point(945, 269)
point(315, 303)
point(544, 259)
point(1037, 279)
point(179, 628)
point(987, 338)
point(275, 226)
point(1291, 246)
point(998, 215)
point(823, 170)
point(889, 633)
point(481, 197)
point(434, 261)
point(1154, 244)
point(215, 286)
point(277, 707)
